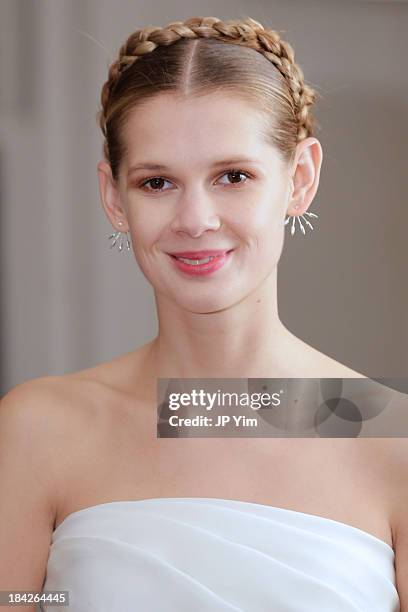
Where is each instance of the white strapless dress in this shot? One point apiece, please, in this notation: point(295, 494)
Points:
point(210, 555)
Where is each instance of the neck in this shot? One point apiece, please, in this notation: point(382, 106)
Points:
point(245, 340)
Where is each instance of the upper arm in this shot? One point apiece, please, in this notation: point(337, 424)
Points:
point(400, 520)
point(28, 477)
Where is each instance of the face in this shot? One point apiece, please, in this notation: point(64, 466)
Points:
point(199, 176)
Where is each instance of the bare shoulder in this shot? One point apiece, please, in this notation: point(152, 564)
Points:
point(32, 434)
point(309, 362)
point(34, 402)
point(395, 455)
point(46, 402)
point(399, 455)
point(331, 368)
point(48, 433)
point(30, 426)
point(125, 374)
point(327, 367)
point(50, 412)
point(56, 423)
point(42, 416)
point(342, 371)
point(59, 404)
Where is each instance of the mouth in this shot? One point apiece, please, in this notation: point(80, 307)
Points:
point(200, 262)
point(199, 255)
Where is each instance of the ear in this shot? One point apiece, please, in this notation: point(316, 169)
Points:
point(305, 175)
point(110, 197)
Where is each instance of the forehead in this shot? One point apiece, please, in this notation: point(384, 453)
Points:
point(169, 127)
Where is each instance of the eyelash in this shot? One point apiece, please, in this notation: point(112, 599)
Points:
point(230, 171)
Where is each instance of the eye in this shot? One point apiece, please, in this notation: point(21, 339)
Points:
point(156, 181)
point(236, 174)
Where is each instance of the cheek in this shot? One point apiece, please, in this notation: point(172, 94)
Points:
point(142, 240)
point(144, 231)
point(262, 228)
point(259, 217)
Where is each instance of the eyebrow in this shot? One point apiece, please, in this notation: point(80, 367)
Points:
point(222, 162)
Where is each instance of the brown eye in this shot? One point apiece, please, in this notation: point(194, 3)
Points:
point(156, 183)
point(235, 176)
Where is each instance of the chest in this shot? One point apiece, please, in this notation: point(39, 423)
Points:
point(332, 478)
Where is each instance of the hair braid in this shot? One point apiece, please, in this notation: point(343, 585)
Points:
point(247, 32)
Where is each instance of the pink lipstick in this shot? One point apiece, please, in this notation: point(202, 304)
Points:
point(198, 263)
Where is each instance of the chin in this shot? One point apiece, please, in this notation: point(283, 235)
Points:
point(205, 305)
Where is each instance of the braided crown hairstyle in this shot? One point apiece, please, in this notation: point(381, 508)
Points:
point(192, 58)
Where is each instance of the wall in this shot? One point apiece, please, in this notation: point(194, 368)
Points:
point(69, 302)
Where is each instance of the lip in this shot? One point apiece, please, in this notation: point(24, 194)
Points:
point(200, 254)
point(220, 259)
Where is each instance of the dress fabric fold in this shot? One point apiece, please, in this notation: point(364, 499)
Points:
point(216, 555)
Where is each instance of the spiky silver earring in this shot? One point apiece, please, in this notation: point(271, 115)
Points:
point(118, 237)
point(298, 217)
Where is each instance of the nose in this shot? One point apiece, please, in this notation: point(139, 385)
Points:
point(196, 212)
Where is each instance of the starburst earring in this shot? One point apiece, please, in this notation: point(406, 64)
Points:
point(298, 217)
point(119, 236)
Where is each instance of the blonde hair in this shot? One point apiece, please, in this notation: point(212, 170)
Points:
point(192, 58)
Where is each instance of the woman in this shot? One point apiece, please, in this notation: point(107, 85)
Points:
point(209, 146)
